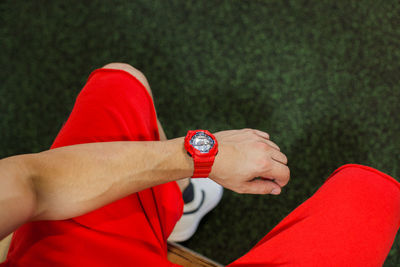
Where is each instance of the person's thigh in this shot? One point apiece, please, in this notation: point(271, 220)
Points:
point(352, 220)
point(114, 105)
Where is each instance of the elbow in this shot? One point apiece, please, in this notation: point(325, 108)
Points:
point(27, 191)
point(26, 205)
point(28, 200)
point(18, 201)
point(15, 211)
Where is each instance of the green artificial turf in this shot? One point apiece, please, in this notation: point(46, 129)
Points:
point(322, 77)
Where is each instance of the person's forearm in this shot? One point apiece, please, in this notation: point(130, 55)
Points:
point(71, 181)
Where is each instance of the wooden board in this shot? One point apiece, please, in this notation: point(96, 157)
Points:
point(181, 255)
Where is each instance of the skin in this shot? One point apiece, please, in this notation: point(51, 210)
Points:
point(70, 181)
point(183, 183)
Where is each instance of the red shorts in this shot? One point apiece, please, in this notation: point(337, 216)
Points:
point(113, 106)
point(351, 220)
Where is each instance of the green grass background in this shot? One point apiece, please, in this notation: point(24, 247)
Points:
point(322, 77)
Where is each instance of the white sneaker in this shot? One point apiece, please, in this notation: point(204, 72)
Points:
point(207, 194)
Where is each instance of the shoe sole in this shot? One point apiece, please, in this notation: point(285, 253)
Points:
point(189, 232)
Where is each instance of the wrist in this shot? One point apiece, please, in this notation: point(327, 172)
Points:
point(202, 147)
point(180, 161)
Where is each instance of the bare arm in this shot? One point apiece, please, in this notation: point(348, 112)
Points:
point(70, 181)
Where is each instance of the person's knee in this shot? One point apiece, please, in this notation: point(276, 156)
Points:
point(131, 70)
point(366, 177)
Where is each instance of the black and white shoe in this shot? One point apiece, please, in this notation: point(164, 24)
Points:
point(206, 195)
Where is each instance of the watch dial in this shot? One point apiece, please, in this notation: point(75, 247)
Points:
point(202, 142)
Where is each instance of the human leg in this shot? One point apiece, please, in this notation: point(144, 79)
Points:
point(187, 225)
point(183, 183)
point(351, 220)
point(114, 105)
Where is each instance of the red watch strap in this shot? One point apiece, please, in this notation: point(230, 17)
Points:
point(202, 166)
point(203, 162)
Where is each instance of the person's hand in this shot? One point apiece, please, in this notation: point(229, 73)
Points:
point(248, 162)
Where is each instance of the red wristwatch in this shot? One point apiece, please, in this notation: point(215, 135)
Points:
point(202, 146)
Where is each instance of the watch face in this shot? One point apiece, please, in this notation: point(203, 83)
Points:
point(202, 142)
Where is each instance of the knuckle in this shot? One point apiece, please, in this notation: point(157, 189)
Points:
point(286, 178)
point(284, 183)
point(272, 144)
point(285, 160)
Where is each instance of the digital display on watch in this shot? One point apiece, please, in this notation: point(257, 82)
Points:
point(202, 142)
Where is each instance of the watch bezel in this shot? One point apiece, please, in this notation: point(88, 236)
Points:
point(208, 137)
point(194, 151)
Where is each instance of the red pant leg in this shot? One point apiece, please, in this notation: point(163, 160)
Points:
point(352, 220)
point(112, 106)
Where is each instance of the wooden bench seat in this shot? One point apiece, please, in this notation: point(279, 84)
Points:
point(188, 258)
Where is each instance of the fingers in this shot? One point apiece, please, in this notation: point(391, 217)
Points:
point(272, 144)
point(260, 186)
point(279, 157)
point(257, 132)
point(264, 138)
point(261, 134)
point(230, 133)
point(278, 172)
